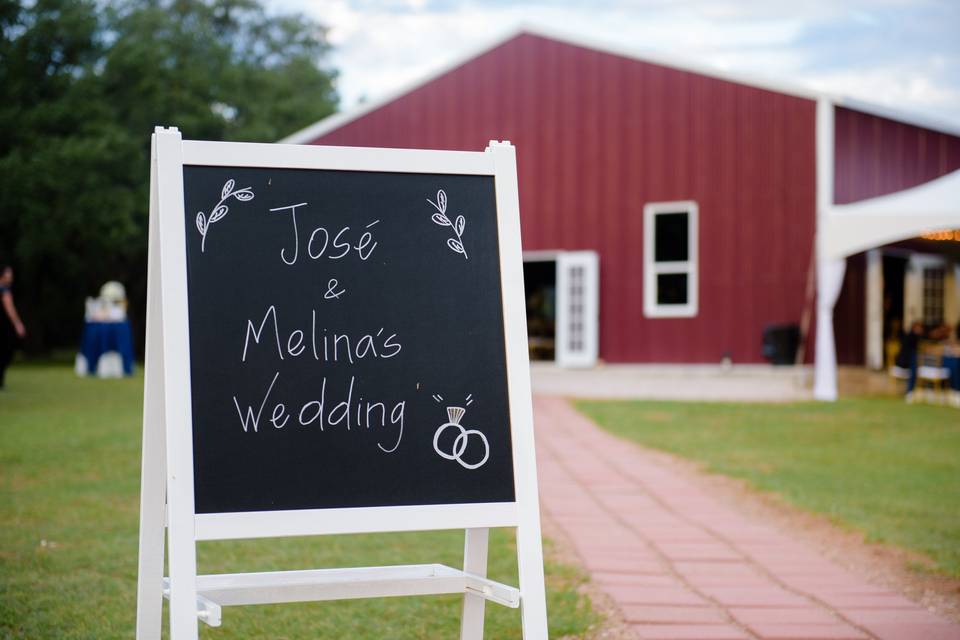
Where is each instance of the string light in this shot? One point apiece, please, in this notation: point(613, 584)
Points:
point(947, 235)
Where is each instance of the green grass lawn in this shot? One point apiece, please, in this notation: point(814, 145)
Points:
point(888, 469)
point(69, 501)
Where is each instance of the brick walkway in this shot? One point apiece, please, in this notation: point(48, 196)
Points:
point(681, 565)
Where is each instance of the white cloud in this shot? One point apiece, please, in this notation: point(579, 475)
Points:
point(894, 86)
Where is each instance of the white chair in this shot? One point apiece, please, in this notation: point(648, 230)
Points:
point(932, 377)
point(899, 373)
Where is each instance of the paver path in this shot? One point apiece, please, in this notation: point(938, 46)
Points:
point(681, 565)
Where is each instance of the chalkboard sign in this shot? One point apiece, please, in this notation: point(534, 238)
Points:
point(346, 339)
point(336, 343)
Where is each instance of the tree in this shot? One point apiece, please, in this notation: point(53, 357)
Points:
point(82, 84)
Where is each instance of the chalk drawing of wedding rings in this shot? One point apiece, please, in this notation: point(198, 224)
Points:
point(455, 414)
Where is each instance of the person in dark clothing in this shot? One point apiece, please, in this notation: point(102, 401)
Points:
point(907, 358)
point(11, 327)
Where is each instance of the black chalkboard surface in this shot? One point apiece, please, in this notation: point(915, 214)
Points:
point(346, 340)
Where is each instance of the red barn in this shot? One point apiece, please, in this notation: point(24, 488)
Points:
point(697, 192)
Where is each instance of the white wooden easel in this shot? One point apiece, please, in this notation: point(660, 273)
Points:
point(167, 485)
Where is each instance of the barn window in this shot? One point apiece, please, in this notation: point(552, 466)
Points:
point(670, 259)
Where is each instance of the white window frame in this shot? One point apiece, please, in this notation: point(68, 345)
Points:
point(913, 286)
point(652, 269)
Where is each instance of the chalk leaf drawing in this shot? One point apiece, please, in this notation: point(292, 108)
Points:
point(219, 211)
point(458, 225)
point(459, 446)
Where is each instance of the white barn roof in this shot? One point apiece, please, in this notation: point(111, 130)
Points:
point(337, 120)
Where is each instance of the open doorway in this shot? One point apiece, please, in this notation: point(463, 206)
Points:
point(540, 289)
point(894, 272)
point(562, 292)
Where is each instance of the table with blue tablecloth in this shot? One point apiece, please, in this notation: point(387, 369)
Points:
point(106, 348)
point(952, 364)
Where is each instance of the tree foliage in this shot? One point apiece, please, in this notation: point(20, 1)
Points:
point(83, 83)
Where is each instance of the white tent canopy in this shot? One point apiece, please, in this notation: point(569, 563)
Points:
point(851, 228)
point(846, 229)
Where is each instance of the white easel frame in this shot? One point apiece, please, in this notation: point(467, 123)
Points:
point(167, 487)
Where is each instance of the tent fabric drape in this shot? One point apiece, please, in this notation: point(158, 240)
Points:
point(830, 274)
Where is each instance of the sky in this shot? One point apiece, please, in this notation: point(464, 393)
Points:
point(899, 53)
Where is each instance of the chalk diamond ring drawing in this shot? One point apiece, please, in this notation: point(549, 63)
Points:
point(455, 414)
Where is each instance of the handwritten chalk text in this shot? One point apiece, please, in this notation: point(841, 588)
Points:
point(322, 344)
point(332, 244)
point(324, 412)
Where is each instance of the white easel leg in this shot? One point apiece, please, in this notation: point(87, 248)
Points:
point(152, 528)
point(183, 580)
point(533, 604)
point(529, 552)
point(181, 528)
point(153, 470)
point(475, 546)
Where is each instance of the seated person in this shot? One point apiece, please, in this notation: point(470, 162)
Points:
point(941, 332)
